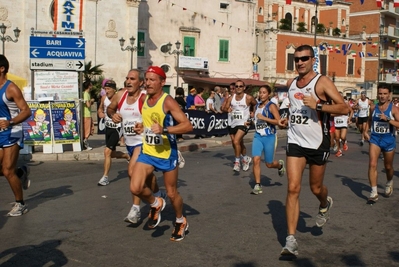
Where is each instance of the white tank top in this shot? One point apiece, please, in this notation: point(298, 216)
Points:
point(131, 114)
point(240, 113)
point(363, 108)
point(108, 121)
point(306, 128)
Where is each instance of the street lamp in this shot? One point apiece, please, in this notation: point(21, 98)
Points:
point(6, 38)
point(131, 48)
point(316, 21)
point(177, 52)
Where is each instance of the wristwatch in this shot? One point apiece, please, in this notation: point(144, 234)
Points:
point(11, 123)
point(165, 131)
point(319, 106)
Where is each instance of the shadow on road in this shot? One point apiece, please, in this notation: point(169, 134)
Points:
point(44, 254)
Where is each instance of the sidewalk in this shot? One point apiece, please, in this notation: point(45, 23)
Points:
point(97, 142)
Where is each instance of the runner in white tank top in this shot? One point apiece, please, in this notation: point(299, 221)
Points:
point(112, 132)
point(308, 138)
point(238, 106)
point(364, 105)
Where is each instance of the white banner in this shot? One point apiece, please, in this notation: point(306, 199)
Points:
point(68, 15)
point(193, 62)
point(56, 85)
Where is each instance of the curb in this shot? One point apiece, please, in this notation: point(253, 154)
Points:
point(98, 155)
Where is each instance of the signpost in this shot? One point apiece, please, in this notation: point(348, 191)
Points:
point(57, 53)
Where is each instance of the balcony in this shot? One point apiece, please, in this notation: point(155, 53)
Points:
point(389, 78)
point(388, 55)
point(390, 10)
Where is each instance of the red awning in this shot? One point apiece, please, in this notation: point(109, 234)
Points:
point(221, 81)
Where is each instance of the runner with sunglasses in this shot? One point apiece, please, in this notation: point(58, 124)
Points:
point(308, 134)
point(239, 105)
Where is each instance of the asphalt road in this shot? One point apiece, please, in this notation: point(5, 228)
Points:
point(74, 222)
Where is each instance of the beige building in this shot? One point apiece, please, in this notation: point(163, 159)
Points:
point(217, 37)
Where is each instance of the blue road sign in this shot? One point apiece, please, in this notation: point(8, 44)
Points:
point(56, 48)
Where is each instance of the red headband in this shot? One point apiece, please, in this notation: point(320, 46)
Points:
point(157, 70)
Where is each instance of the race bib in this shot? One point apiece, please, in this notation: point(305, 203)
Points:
point(110, 124)
point(299, 119)
point(152, 139)
point(128, 127)
point(237, 115)
point(381, 127)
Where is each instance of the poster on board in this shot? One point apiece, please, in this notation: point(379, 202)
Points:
point(65, 122)
point(56, 85)
point(37, 128)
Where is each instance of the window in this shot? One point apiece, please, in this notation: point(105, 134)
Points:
point(223, 50)
point(140, 50)
point(188, 40)
point(350, 66)
point(290, 61)
point(323, 64)
point(165, 67)
point(224, 6)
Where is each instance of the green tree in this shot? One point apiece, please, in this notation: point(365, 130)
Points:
point(94, 74)
point(301, 27)
point(285, 24)
point(336, 31)
point(320, 28)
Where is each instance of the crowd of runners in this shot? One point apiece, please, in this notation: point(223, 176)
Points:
point(316, 116)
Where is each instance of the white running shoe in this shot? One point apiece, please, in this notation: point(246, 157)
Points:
point(134, 216)
point(103, 181)
point(180, 160)
point(17, 210)
point(291, 246)
point(237, 166)
point(245, 163)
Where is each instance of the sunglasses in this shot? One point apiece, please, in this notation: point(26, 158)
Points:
point(239, 86)
point(303, 59)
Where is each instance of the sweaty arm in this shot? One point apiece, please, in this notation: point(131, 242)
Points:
point(226, 104)
point(113, 108)
point(183, 124)
point(100, 110)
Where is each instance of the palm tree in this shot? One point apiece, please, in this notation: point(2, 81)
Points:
point(94, 74)
point(90, 72)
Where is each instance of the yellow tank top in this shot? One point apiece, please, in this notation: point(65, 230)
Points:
point(157, 145)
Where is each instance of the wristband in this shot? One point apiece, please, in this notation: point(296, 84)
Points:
point(319, 106)
point(165, 131)
point(11, 123)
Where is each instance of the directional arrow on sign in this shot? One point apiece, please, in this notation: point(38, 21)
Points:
point(80, 65)
point(35, 53)
point(79, 43)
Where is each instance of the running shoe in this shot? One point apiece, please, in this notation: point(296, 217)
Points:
point(134, 216)
point(361, 143)
point(345, 146)
point(237, 166)
point(372, 199)
point(180, 230)
point(324, 213)
point(245, 163)
point(291, 246)
point(257, 189)
point(24, 176)
point(388, 189)
point(103, 181)
point(339, 153)
point(281, 170)
point(154, 218)
point(180, 160)
point(17, 210)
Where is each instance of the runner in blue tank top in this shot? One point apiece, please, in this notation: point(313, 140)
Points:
point(383, 120)
point(13, 111)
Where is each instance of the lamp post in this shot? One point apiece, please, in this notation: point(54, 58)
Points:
point(379, 53)
point(131, 47)
point(177, 52)
point(6, 38)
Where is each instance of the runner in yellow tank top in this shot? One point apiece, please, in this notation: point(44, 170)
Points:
point(159, 150)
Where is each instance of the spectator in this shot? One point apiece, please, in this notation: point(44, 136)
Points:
point(210, 103)
point(180, 99)
point(190, 99)
point(218, 99)
point(199, 102)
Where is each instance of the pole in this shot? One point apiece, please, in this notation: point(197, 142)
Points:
point(315, 24)
point(4, 52)
point(379, 58)
point(131, 58)
point(177, 70)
